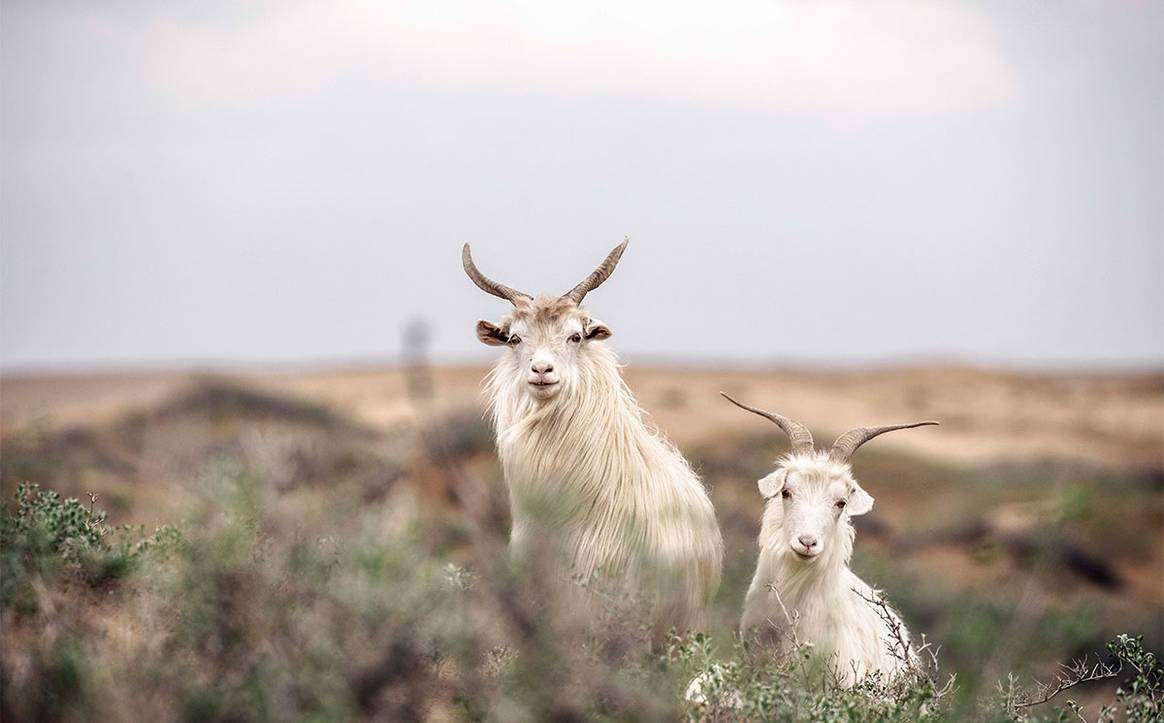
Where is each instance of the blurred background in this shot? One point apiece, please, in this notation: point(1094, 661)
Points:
point(229, 250)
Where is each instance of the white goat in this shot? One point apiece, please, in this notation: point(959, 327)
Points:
point(803, 589)
point(590, 482)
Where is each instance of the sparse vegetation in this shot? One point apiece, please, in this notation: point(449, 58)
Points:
point(47, 536)
point(255, 622)
point(1140, 697)
point(353, 594)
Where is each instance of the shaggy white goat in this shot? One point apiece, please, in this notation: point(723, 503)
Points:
point(590, 482)
point(803, 588)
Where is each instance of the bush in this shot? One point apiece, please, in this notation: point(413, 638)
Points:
point(47, 536)
point(798, 684)
point(254, 618)
point(1138, 699)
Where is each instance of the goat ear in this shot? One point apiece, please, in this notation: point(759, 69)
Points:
point(491, 334)
point(771, 485)
point(860, 501)
point(597, 331)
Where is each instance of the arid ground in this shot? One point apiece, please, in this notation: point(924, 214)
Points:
point(1102, 418)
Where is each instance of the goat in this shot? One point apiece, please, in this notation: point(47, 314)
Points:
point(803, 589)
point(591, 483)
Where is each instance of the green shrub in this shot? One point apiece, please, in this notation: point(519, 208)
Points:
point(1138, 699)
point(1142, 695)
point(252, 618)
point(799, 684)
point(46, 536)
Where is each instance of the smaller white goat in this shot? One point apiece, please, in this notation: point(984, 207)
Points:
point(803, 589)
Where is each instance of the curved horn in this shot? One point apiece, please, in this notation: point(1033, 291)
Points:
point(797, 433)
point(488, 285)
point(602, 273)
point(848, 442)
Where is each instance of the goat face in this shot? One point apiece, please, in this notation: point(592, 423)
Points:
point(816, 499)
point(816, 489)
point(547, 336)
point(548, 340)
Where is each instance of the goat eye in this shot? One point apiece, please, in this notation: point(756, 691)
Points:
point(514, 340)
point(575, 338)
point(786, 494)
point(841, 504)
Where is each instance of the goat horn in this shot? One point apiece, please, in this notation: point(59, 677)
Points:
point(848, 442)
point(602, 273)
point(797, 433)
point(488, 285)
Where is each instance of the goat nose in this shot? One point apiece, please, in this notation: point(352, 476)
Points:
point(542, 367)
point(808, 541)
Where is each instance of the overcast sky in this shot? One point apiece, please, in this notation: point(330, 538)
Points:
point(221, 182)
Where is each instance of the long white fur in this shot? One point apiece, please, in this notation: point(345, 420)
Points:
point(591, 480)
point(829, 603)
